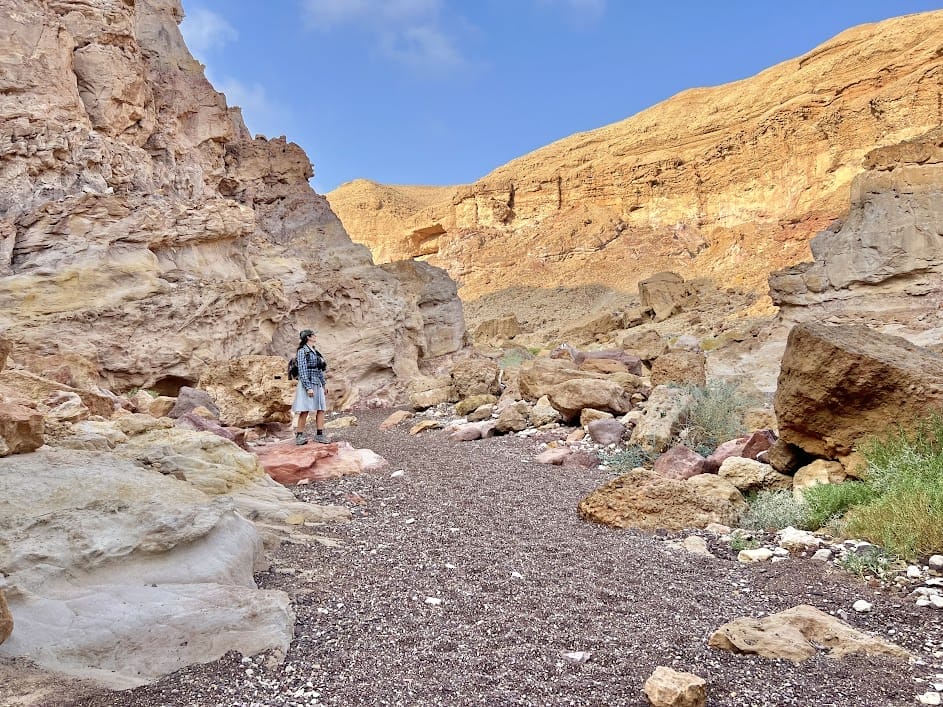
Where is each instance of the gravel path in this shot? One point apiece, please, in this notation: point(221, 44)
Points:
point(470, 580)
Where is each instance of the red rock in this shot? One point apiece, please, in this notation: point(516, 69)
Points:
point(21, 429)
point(680, 463)
point(289, 463)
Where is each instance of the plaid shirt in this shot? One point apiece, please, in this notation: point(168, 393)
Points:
point(309, 372)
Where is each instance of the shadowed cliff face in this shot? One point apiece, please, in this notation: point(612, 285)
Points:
point(143, 232)
point(727, 183)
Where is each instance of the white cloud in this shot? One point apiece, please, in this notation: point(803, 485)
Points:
point(205, 31)
point(410, 32)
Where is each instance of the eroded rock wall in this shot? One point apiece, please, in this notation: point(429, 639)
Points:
point(728, 182)
point(144, 232)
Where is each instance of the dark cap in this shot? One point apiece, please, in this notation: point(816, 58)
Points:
point(305, 333)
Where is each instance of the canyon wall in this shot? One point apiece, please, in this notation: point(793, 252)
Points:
point(727, 183)
point(144, 233)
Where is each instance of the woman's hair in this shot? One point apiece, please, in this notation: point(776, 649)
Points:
point(303, 337)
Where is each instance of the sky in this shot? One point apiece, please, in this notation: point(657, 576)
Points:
point(444, 91)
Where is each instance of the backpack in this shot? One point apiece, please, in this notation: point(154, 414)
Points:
point(319, 364)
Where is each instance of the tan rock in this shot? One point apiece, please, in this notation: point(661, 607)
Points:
point(537, 376)
point(671, 688)
point(841, 384)
point(513, 418)
point(820, 471)
point(554, 456)
point(664, 293)
point(395, 419)
point(339, 423)
point(796, 634)
point(588, 415)
point(424, 425)
point(572, 396)
point(21, 429)
point(662, 418)
point(751, 475)
point(497, 330)
point(643, 499)
point(680, 368)
point(543, 413)
point(473, 402)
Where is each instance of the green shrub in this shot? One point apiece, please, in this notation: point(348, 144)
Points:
point(905, 476)
point(876, 564)
point(513, 358)
point(827, 503)
point(775, 510)
point(739, 541)
point(716, 416)
point(627, 459)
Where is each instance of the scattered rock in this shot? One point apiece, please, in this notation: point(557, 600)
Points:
point(671, 688)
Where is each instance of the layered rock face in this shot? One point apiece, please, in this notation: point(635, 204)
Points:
point(883, 263)
point(144, 233)
point(727, 182)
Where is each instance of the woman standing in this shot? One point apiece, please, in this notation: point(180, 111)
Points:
point(309, 395)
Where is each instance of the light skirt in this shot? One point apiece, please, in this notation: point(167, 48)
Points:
point(304, 403)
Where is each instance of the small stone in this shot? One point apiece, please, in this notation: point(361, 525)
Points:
point(862, 606)
point(577, 657)
point(936, 600)
point(781, 552)
point(822, 555)
point(930, 698)
point(936, 563)
point(914, 572)
point(760, 554)
point(398, 473)
point(433, 601)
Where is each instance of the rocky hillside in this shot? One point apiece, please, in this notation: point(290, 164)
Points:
point(726, 183)
point(144, 234)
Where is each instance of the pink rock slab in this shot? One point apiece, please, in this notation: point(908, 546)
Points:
point(289, 463)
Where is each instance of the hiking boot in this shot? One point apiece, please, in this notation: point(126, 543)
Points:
point(300, 438)
point(321, 438)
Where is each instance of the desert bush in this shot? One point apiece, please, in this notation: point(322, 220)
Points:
point(870, 564)
point(627, 459)
point(774, 510)
point(716, 416)
point(905, 475)
point(513, 358)
point(827, 503)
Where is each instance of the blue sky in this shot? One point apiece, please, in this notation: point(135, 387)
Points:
point(443, 91)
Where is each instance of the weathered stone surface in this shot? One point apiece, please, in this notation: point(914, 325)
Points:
point(796, 634)
point(885, 259)
point(250, 390)
point(153, 573)
point(662, 418)
point(680, 462)
point(664, 293)
point(555, 456)
point(571, 396)
point(473, 402)
point(820, 471)
point(751, 475)
point(21, 429)
point(497, 330)
point(671, 688)
point(644, 499)
point(840, 384)
point(289, 463)
point(133, 199)
point(537, 376)
point(606, 431)
point(395, 419)
point(513, 418)
point(681, 368)
point(543, 413)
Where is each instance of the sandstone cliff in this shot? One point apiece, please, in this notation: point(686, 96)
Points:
point(144, 232)
point(728, 182)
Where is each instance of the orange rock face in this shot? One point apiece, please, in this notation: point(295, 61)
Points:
point(728, 182)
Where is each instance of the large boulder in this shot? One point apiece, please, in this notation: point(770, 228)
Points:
point(797, 634)
point(840, 384)
point(662, 418)
point(475, 376)
point(681, 367)
point(644, 499)
point(664, 293)
point(152, 574)
point(571, 396)
point(537, 376)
